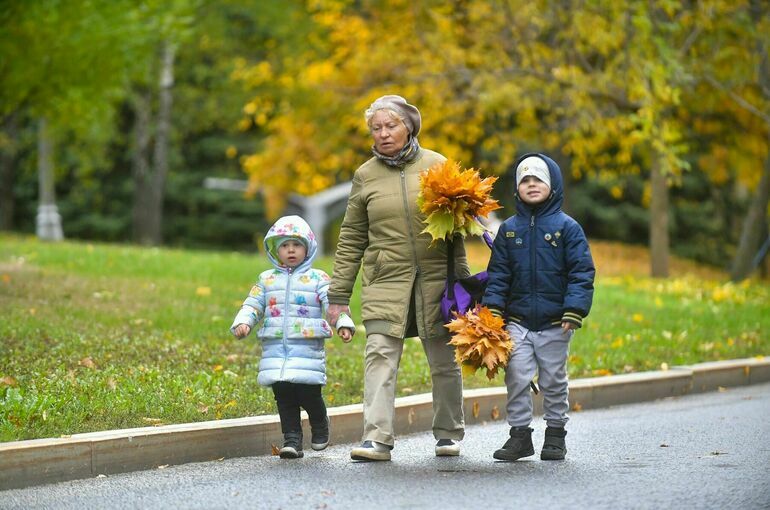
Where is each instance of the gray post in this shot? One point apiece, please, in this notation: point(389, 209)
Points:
point(48, 224)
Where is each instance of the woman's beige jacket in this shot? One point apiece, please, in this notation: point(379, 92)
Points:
point(381, 232)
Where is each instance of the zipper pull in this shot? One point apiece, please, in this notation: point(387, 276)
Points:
point(532, 221)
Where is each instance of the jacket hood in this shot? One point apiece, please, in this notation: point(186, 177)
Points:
point(554, 201)
point(290, 226)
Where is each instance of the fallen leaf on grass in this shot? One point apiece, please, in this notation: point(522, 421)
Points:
point(155, 422)
point(8, 381)
point(87, 362)
point(6, 278)
point(203, 291)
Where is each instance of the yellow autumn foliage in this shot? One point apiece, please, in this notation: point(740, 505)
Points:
point(480, 341)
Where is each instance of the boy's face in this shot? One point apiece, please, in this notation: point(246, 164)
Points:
point(533, 191)
point(292, 253)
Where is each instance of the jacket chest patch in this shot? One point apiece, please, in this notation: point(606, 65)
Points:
point(510, 234)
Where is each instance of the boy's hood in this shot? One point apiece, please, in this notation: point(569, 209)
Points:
point(554, 201)
point(290, 226)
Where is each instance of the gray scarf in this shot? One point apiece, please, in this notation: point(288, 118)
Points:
point(406, 155)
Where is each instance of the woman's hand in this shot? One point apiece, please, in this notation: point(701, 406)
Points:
point(242, 330)
point(346, 334)
point(334, 311)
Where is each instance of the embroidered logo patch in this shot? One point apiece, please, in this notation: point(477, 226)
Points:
point(510, 234)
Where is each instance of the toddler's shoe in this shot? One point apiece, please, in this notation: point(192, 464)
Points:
point(518, 445)
point(554, 446)
point(371, 450)
point(292, 446)
point(447, 448)
point(319, 436)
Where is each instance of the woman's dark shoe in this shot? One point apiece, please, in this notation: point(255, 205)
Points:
point(518, 445)
point(292, 446)
point(319, 436)
point(554, 447)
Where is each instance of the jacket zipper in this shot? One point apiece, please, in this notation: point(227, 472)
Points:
point(414, 254)
point(533, 268)
point(285, 321)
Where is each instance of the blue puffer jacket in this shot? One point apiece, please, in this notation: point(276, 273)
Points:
point(292, 302)
point(541, 271)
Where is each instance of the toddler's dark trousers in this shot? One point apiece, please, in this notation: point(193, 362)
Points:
point(290, 397)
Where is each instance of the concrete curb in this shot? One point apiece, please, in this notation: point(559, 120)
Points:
point(41, 461)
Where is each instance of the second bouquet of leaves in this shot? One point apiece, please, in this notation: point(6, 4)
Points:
point(480, 341)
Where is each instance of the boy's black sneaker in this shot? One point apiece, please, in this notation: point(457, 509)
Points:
point(554, 446)
point(292, 446)
point(319, 436)
point(518, 445)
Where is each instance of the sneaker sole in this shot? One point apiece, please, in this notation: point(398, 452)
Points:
point(319, 447)
point(507, 456)
point(366, 454)
point(290, 453)
point(447, 451)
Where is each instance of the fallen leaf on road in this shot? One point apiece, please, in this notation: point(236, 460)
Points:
point(495, 413)
point(476, 409)
point(274, 449)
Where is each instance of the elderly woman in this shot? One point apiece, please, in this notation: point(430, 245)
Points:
point(403, 279)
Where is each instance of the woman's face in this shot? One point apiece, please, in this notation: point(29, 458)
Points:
point(389, 133)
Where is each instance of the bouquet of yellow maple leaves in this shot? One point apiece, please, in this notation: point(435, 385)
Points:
point(452, 199)
point(480, 341)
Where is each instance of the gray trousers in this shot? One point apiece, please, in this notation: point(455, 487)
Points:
point(545, 352)
point(382, 357)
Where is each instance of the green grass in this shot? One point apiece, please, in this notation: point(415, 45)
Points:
point(96, 336)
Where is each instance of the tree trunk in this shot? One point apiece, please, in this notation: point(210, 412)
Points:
point(141, 168)
point(7, 172)
point(754, 230)
point(48, 224)
point(658, 224)
point(753, 233)
point(150, 181)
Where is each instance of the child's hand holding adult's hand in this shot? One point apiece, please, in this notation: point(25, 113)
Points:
point(242, 330)
point(346, 334)
point(334, 311)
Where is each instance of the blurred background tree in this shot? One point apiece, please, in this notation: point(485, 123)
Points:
point(656, 111)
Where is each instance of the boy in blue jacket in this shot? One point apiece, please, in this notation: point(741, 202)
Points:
point(290, 301)
point(541, 281)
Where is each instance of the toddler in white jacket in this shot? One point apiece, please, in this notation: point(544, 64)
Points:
point(290, 301)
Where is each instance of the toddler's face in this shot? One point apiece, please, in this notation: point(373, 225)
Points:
point(533, 191)
point(292, 253)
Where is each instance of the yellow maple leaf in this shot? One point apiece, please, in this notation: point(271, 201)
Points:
point(480, 340)
point(452, 199)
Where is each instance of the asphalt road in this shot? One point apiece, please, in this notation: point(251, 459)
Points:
point(698, 451)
